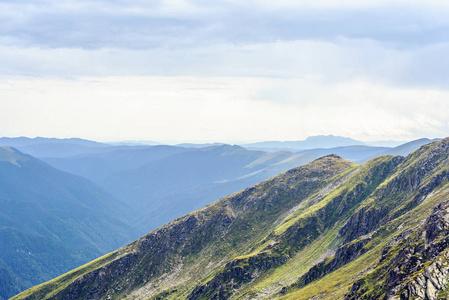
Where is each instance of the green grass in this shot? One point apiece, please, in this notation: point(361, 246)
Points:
point(339, 282)
point(52, 287)
point(307, 210)
point(293, 215)
point(297, 265)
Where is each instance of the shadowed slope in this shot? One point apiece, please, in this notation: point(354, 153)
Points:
point(329, 228)
point(51, 222)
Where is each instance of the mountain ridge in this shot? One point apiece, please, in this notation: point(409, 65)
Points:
point(51, 222)
point(311, 142)
point(164, 182)
point(304, 233)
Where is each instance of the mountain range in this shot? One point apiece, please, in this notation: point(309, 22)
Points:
point(329, 229)
point(165, 182)
point(147, 185)
point(43, 147)
point(312, 142)
point(52, 221)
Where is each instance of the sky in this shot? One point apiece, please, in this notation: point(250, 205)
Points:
point(225, 70)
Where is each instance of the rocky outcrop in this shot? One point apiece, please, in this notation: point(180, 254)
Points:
point(94, 284)
point(406, 183)
point(420, 269)
point(430, 283)
point(233, 247)
point(344, 254)
point(236, 273)
point(364, 221)
point(368, 218)
point(424, 191)
point(301, 233)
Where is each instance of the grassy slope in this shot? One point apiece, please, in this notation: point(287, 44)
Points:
point(407, 180)
point(328, 241)
point(336, 284)
point(205, 240)
point(51, 222)
point(405, 214)
point(52, 287)
point(297, 216)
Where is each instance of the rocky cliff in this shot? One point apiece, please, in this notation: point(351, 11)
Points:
point(329, 230)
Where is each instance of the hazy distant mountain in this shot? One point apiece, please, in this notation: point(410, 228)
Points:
point(25, 141)
point(361, 153)
point(99, 166)
point(203, 145)
point(326, 230)
point(163, 182)
point(169, 187)
point(388, 143)
point(182, 171)
point(134, 143)
point(57, 148)
point(312, 142)
point(402, 150)
point(173, 202)
point(53, 147)
point(348, 152)
point(51, 221)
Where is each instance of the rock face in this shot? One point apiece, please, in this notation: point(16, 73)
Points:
point(326, 230)
point(198, 242)
point(362, 222)
point(344, 254)
point(421, 267)
point(234, 275)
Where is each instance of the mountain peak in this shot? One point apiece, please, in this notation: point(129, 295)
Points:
point(12, 155)
point(323, 209)
point(320, 136)
point(347, 228)
point(225, 148)
point(331, 156)
point(338, 140)
point(312, 142)
point(326, 162)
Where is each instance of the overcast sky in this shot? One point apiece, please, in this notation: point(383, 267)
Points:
point(227, 71)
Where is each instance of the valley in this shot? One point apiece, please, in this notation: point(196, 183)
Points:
point(291, 236)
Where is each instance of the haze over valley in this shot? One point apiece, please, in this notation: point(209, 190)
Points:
point(89, 190)
point(253, 149)
point(69, 219)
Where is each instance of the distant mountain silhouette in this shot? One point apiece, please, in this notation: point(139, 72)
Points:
point(52, 221)
point(312, 142)
point(164, 182)
point(329, 229)
point(402, 150)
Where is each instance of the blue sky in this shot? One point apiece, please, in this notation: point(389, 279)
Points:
point(226, 71)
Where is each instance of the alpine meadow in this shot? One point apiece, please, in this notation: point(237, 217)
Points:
point(224, 150)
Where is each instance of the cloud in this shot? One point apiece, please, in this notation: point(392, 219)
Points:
point(394, 42)
point(150, 24)
point(326, 62)
point(182, 70)
point(215, 109)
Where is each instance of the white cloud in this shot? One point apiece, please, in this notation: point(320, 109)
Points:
point(140, 24)
point(181, 70)
point(337, 61)
point(215, 109)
